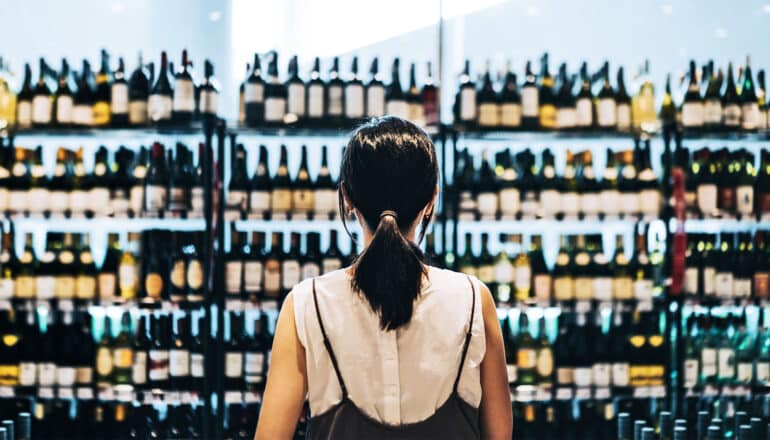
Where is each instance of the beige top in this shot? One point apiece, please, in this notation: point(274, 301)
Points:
point(395, 377)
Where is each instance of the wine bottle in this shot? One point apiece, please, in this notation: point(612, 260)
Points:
point(234, 354)
point(465, 186)
point(607, 108)
point(668, 113)
point(325, 192)
point(542, 281)
point(692, 107)
point(509, 196)
point(488, 105)
point(238, 189)
point(414, 100)
point(564, 102)
point(522, 270)
point(503, 268)
point(24, 100)
point(546, 98)
point(641, 269)
point(486, 189)
point(156, 182)
point(310, 261)
point(41, 99)
point(609, 194)
point(136, 193)
point(588, 188)
point(601, 367)
point(485, 263)
point(45, 273)
point(28, 348)
point(195, 177)
point(526, 354)
point(8, 264)
point(9, 349)
point(563, 280)
point(302, 192)
point(290, 266)
point(395, 99)
point(254, 356)
point(744, 173)
point(177, 271)
point(197, 357)
point(583, 269)
point(622, 281)
point(64, 288)
point(316, 95)
point(179, 181)
point(712, 106)
point(104, 356)
point(179, 356)
point(628, 185)
point(429, 98)
point(123, 353)
point(273, 261)
point(731, 103)
point(568, 189)
point(619, 349)
point(295, 90)
point(62, 101)
point(375, 92)
point(281, 195)
point(466, 262)
point(584, 102)
point(208, 99)
point(38, 190)
point(7, 97)
point(530, 205)
point(762, 100)
point(749, 102)
point(465, 102)
point(158, 354)
point(649, 188)
point(183, 101)
point(623, 104)
point(82, 110)
point(234, 266)
point(85, 280)
point(138, 94)
point(706, 190)
point(550, 197)
point(102, 97)
point(25, 275)
point(242, 97)
point(194, 264)
point(544, 359)
point(160, 103)
point(335, 95)
point(253, 267)
point(260, 187)
point(530, 100)
point(510, 101)
point(155, 267)
point(119, 97)
point(332, 259)
point(276, 95)
point(99, 191)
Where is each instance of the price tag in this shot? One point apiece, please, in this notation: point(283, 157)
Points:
point(233, 397)
point(6, 392)
point(583, 306)
point(84, 393)
point(269, 305)
point(602, 393)
point(5, 305)
point(525, 393)
point(658, 391)
point(66, 393)
point(251, 397)
point(564, 394)
point(173, 397)
point(543, 394)
point(187, 398)
point(65, 305)
point(644, 306)
point(642, 392)
point(583, 393)
point(45, 393)
point(106, 393)
point(234, 304)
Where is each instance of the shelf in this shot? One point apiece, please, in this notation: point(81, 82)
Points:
point(107, 224)
point(292, 225)
point(302, 132)
point(542, 226)
point(540, 135)
point(717, 225)
point(115, 133)
point(702, 135)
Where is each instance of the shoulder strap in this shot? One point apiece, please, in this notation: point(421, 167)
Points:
point(467, 336)
point(328, 346)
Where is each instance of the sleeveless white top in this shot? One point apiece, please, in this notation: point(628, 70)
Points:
point(395, 377)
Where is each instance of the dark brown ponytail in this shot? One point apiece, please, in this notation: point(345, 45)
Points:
point(389, 174)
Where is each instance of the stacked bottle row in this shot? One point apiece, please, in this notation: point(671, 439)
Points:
point(16, 428)
point(151, 183)
point(518, 189)
point(334, 102)
point(280, 197)
point(67, 99)
point(587, 358)
point(727, 266)
point(725, 184)
point(713, 424)
point(582, 271)
point(709, 102)
point(55, 354)
point(68, 419)
point(153, 266)
point(253, 273)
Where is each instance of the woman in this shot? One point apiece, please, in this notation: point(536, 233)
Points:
point(389, 347)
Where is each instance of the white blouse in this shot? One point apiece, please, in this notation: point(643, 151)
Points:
point(395, 377)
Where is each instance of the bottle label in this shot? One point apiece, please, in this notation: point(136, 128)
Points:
point(601, 374)
point(254, 363)
point(254, 93)
point(64, 287)
point(629, 203)
point(486, 273)
point(712, 112)
point(136, 199)
point(643, 289)
point(467, 104)
point(649, 202)
point(24, 114)
point(417, 113)
point(692, 114)
point(511, 371)
point(624, 116)
point(302, 200)
point(709, 281)
point(79, 201)
point(726, 362)
point(544, 363)
point(7, 287)
point(85, 287)
point(622, 288)
point(153, 285)
point(99, 199)
point(41, 109)
point(584, 287)
point(750, 120)
point(160, 107)
point(763, 371)
point(744, 372)
point(550, 202)
point(196, 199)
point(489, 114)
point(691, 280)
point(259, 201)
point(487, 204)
point(46, 373)
point(184, 96)
point(510, 115)
point(620, 374)
point(127, 277)
point(375, 101)
point(761, 284)
point(179, 363)
point(64, 109)
point(565, 117)
point(233, 277)
point(38, 199)
point(103, 362)
point(526, 358)
point(101, 113)
point(25, 286)
point(236, 199)
point(584, 112)
point(233, 364)
point(272, 278)
point(325, 202)
point(723, 282)
point(275, 109)
point(744, 199)
point(742, 287)
point(510, 201)
point(523, 277)
point(122, 357)
point(159, 364)
point(209, 102)
point(137, 112)
point(335, 100)
point(529, 102)
point(178, 274)
point(291, 274)
point(155, 197)
point(503, 272)
point(194, 274)
point(563, 288)
point(690, 372)
point(196, 364)
point(607, 112)
point(570, 203)
point(119, 99)
point(589, 204)
point(732, 115)
point(330, 264)
point(280, 200)
point(609, 200)
point(139, 368)
point(397, 107)
point(252, 276)
point(296, 101)
point(310, 270)
point(565, 376)
point(315, 101)
point(583, 376)
point(46, 286)
point(27, 374)
point(603, 288)
point(542, 284)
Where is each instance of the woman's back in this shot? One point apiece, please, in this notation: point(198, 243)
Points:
point(400, 376)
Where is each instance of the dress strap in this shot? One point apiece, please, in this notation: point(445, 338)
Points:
point(328, 346)
point(467, 336)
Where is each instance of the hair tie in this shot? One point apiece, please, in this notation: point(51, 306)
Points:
point(390, 213)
